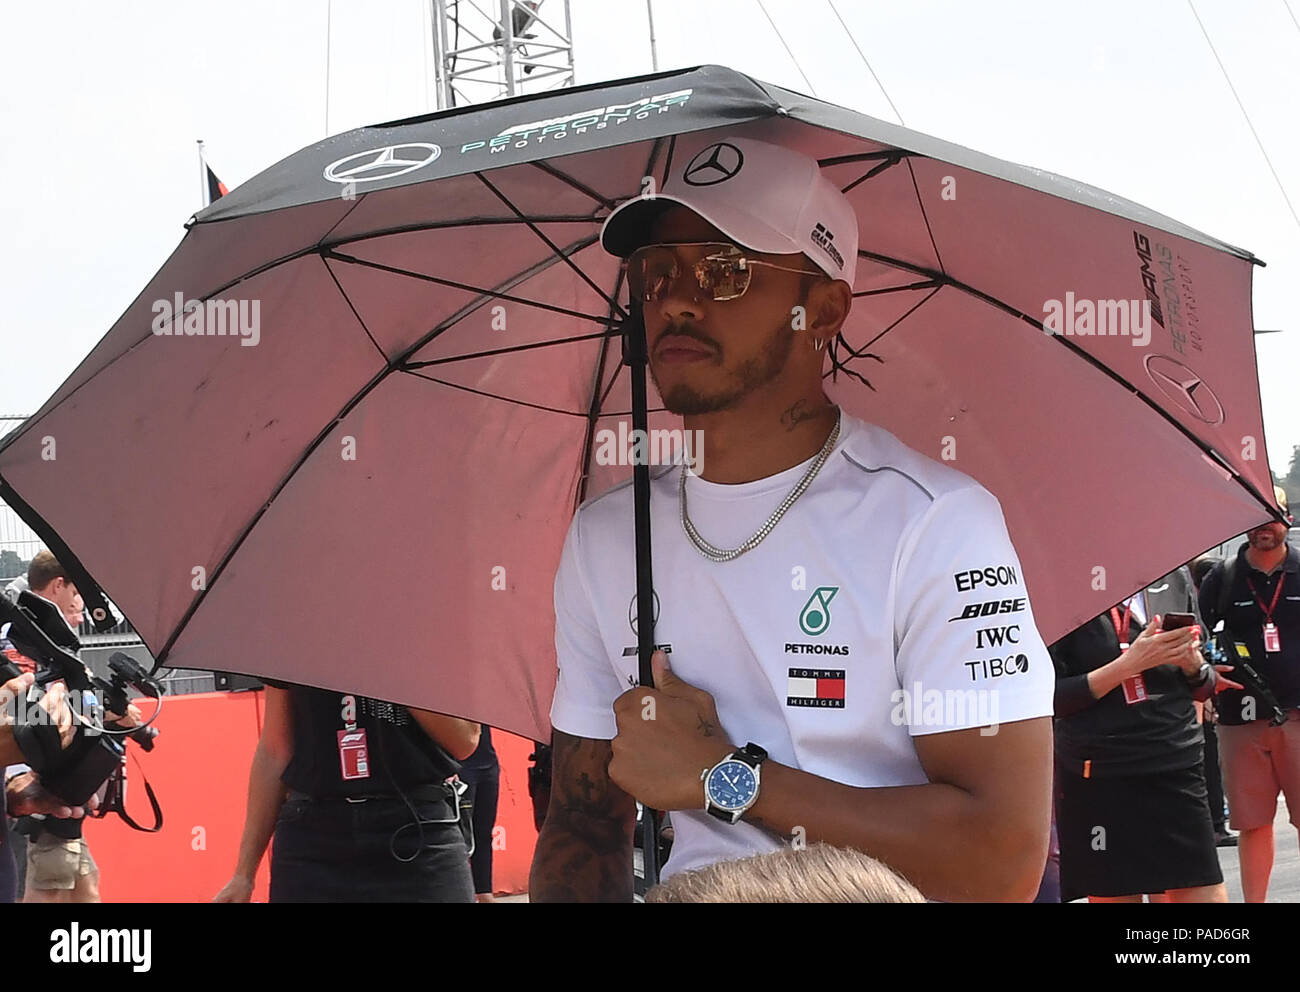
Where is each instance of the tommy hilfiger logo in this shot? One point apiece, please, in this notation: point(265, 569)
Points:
point(816, 687)
point(824, 240)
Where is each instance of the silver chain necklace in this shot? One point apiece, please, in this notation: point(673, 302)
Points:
point(720, 554)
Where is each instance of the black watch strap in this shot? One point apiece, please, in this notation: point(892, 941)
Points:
point(751, 754)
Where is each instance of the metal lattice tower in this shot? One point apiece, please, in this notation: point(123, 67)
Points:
point(492, 49)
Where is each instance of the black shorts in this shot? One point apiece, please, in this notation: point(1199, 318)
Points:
point(1134, 834)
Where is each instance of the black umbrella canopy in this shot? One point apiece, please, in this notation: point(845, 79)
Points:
point(370, 488)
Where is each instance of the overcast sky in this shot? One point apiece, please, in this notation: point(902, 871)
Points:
point(101, 104)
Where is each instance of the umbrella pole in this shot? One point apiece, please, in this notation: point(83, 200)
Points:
point(635, 357)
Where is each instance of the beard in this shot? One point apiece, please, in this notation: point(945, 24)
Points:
point(1265, 540)
point(687, 401)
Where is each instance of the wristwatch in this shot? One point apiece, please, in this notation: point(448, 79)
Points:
point(1202, 674)
point(731, 786)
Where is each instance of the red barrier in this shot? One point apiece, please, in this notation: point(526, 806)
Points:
point(199, 770)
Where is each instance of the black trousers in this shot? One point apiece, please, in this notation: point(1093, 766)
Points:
point(336, 851)
point(484, 793)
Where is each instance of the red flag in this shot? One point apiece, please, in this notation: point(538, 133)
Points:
point(216, 188)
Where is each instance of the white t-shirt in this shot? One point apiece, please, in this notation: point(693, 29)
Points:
point(887, 603)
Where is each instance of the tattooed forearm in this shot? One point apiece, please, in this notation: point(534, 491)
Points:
point(705, 727)
point(584, 853)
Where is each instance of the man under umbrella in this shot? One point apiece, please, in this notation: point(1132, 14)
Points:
point(848, 653)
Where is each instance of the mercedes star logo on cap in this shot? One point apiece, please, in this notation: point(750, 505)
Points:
point(382, 163)
point(1185, 387)
point(713, 165)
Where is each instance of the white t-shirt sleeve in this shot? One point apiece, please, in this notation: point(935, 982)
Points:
point(588, 685)
point(968, 653)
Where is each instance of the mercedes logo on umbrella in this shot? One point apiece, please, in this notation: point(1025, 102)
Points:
point(1185, 388)
point(382, 163)
point(713, 165)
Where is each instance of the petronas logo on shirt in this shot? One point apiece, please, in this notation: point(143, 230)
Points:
point(816, 615)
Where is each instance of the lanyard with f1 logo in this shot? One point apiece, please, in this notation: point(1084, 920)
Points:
point(1135, 686)
point(1272, 642)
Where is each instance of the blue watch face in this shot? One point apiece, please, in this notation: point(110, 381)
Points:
point(732, 785)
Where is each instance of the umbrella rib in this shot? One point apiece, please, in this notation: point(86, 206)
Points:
point(668, 158)
point(550, 244)
point(488, 294)
point(410, 366)
point(888, 163)
point(568, 180)
point(923, 284)
point(444, 224)
point(348, 300)
point(899, 153)
point(493, 396)
point(925, 217)
point(861, 352)
point(609, 386)
point(346, 214)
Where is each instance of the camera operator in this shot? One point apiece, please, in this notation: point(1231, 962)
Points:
point(355, 791)
point(59, 864)
point(1260, 608)
point(26, 791)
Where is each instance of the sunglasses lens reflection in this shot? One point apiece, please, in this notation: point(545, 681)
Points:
point(719, 270)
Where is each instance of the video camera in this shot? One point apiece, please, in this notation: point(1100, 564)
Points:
point(37, 628)
point(1224, 649)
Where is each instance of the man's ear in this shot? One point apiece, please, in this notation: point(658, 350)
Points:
point(829, 303)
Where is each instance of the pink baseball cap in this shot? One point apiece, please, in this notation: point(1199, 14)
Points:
point(761, 196)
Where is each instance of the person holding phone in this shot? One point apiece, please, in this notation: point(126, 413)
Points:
point(1131, 806)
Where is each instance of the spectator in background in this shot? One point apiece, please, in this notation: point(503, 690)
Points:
point(820, 873)
point(1132, 813)
point(1223, 837)
point(355, 791)
point(482, 773)
point(1260, 607)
